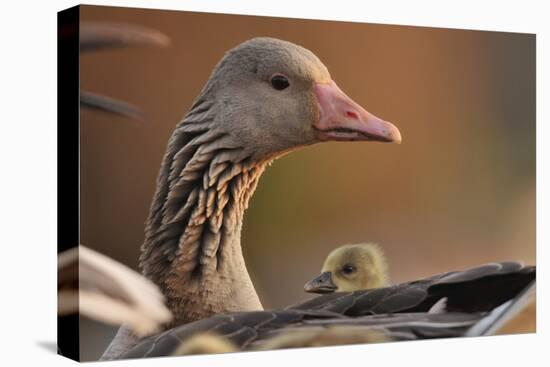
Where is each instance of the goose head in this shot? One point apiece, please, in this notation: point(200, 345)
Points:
point(351, 268)
point(278, 96)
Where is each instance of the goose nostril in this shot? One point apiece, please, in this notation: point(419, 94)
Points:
point(352, 114)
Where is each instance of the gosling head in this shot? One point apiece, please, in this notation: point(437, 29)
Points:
point(351, 268)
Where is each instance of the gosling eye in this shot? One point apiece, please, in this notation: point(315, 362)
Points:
point(279, 81)
point(348, 269)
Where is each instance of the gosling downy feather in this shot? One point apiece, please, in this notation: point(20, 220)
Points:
point(313, 336)
point(320, 336)
point(350, 268)
point(205, 343)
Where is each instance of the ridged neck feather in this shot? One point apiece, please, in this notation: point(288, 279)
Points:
point(192, 245)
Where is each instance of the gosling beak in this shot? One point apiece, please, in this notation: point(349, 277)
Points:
point(342, 119)
point(321, 284)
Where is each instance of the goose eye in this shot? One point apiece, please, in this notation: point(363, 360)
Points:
point(348, 269)
point(279, 82)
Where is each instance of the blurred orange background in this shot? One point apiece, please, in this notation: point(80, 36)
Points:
point(459, 190)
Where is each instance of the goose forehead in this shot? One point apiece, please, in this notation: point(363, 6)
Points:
point(269, 55)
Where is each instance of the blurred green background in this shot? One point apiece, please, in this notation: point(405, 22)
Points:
point(459, 190)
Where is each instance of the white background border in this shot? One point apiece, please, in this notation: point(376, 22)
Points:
point(28, 180)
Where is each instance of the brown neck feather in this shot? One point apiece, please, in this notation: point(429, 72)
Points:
point(192, 247)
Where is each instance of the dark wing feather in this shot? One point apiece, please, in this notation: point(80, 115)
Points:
point(414, 325)
point(484, 287)
point(497, 320)
point(473, 290)
point(400, 311)
point(246, 333)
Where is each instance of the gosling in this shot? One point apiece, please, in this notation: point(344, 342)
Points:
point(321, 337)
point(350, 268)
point(211, 343)
point(205, 343)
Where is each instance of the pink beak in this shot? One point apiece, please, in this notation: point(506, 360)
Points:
point(344, 120)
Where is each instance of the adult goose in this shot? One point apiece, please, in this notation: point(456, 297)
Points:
point(265, 98)
point(350, 268)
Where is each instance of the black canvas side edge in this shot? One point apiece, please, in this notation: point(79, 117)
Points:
point(68, 132)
